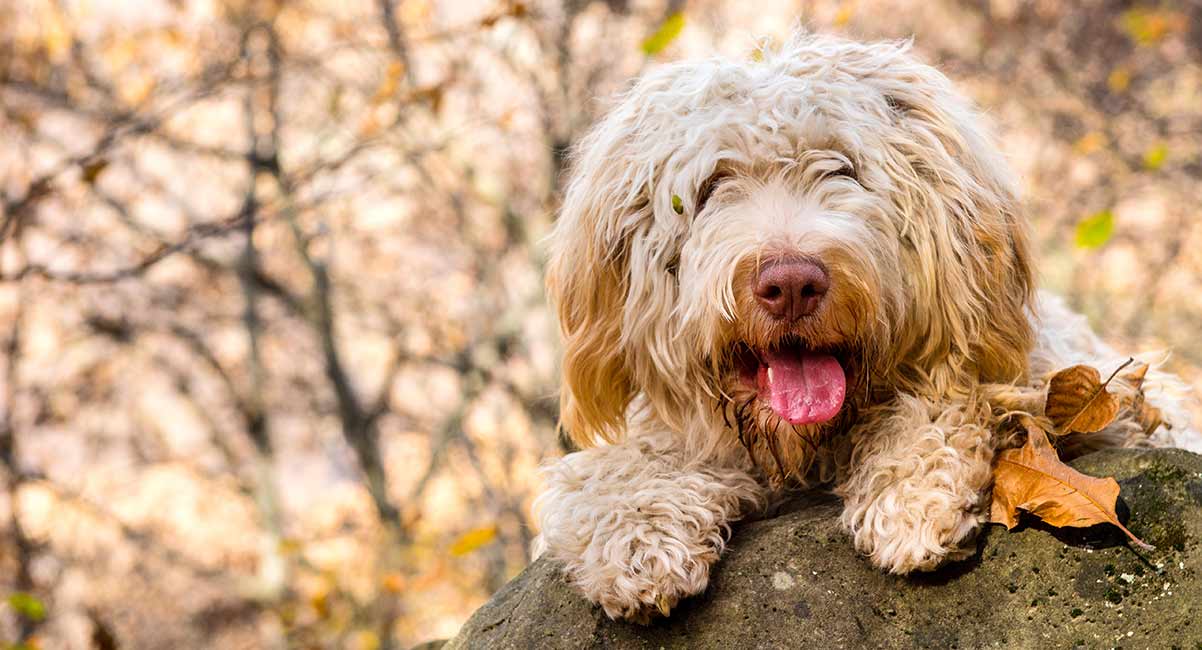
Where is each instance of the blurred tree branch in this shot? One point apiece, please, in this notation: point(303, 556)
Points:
point(396, 39)
point(10, 459)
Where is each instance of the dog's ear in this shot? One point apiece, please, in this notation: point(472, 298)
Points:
point(964, 230)
point(587, 281)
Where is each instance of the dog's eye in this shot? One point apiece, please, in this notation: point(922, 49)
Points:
point(707, 189)
point(673, 265)
point(845, 170)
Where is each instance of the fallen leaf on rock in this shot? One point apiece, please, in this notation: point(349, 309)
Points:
point(1033, 478)
point(1078, 401)
point(1136, 373)
point(1149, 417)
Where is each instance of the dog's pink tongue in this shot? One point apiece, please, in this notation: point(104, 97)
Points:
point(802, 387)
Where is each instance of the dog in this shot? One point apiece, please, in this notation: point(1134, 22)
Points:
point(810, 267)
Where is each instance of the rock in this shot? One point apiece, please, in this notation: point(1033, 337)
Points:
point(795, 581)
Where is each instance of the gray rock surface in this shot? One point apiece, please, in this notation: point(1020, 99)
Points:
point(794, 581)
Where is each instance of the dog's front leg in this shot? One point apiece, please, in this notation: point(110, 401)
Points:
point(914, 488)
point(638, 524)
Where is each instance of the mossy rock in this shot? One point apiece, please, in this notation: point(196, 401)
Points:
point(794, 581)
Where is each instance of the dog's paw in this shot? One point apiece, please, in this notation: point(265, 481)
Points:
point(643, 575)
point(908, 542)
point(635, 532)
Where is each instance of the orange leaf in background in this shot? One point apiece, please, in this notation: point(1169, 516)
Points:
point(56, 34)
point(136, 89)
point(1119, 79)
point(843, 16)
point(393, 582)
point(389, 84)
point(1078, 401)
point(1035, 480)
point(174, 37)
point(320, 602)
point(473, 539)
point(1150, 26)
point(366, 640)
point(1090, 142)
point(369, 125)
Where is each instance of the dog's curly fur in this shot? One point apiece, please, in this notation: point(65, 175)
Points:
point(868, 161)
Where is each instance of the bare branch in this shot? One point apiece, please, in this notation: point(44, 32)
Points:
point(9, 458)
point(396, 39)
point(164, 251)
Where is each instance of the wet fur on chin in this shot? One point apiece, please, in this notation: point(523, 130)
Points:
point(866, 160)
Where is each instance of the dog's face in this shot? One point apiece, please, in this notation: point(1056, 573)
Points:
point(787, 287)
point(764, 248)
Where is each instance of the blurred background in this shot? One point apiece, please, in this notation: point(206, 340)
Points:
point(275, 364)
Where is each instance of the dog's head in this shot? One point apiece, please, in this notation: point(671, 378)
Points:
point(773, 244)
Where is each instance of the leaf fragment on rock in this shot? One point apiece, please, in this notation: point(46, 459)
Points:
point(1078, 401)
point(1032, 478)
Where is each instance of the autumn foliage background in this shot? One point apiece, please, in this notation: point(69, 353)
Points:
point(277, 369)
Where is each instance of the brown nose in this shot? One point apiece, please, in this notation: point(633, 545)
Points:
point(790, 289)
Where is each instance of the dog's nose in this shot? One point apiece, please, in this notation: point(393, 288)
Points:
point(790, 289)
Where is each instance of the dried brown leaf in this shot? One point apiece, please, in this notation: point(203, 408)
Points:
point(1136, 374)
point(1078, 401)
point(1149, 417)
point(1033, 478)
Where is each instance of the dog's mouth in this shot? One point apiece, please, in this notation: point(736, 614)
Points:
point(802, 385)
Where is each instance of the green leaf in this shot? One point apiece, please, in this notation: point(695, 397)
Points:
point(1095, 230)
point(663, 37)
point(677, 204)
point(1154, 158)
point(28, 606)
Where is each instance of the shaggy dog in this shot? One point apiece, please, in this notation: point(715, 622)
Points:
point(812, 268)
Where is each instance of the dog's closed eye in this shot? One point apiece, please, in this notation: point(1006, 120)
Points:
point(845, 170)
point(707, 189)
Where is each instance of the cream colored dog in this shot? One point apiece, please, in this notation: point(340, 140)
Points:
point(810, 268)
